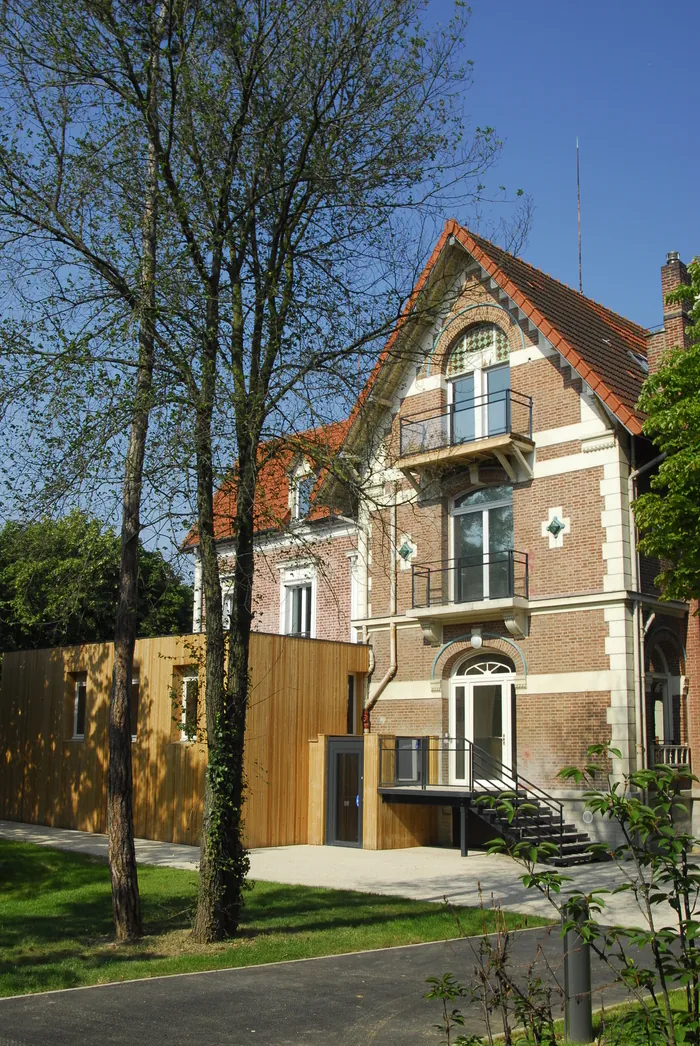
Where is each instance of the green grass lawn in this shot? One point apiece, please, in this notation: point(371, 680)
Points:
point(56, 923)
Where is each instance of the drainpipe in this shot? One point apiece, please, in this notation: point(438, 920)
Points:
point(393, 604)
point(639, 630)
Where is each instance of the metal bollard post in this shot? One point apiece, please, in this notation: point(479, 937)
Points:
point(578, 1009)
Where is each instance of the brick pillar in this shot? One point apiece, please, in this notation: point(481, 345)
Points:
point(673, 274)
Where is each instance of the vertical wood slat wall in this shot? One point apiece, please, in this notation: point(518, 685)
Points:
point(298, 690)
point(391, 826)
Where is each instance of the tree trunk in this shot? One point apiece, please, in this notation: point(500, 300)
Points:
point(238, 672)
point(122, 857)
point(212, 921)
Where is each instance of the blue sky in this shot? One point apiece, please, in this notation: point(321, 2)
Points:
point(622, 75)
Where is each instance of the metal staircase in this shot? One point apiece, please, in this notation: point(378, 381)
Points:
point(522, 812)
point(445, 769)
point(536, 822)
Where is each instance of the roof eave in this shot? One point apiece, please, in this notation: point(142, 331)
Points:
point(628, 419)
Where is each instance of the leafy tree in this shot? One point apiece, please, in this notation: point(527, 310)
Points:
point(91, 267)
point(298, 149)
point(669, 514)
point(59, 584)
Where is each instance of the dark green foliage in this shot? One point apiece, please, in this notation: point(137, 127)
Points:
point(669, 514)
point(59, 581)
point(655, 857)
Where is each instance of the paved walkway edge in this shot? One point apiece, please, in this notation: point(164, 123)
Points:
point(264, 965)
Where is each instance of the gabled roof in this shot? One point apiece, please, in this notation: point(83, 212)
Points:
point(276, 460)
point(595, 341)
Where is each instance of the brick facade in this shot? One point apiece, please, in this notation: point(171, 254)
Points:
point(578, 671)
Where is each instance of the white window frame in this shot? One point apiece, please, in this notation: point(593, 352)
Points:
point(292, 578)
point(484, 509)
point(79, 680)
point(489, 670)
point(483, 362)
point(480, 396)
point(300, 474)
point(413, 750)
point(189, 678)
point(666, 678)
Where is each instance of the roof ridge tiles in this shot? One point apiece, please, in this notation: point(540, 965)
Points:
point(541, 272)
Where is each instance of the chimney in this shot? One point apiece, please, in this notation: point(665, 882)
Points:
point(673, 274)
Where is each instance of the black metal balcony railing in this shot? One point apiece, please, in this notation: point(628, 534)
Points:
point(470, 579)
point(455, 763)
point(496, 414)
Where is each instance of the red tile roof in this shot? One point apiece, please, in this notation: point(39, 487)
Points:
point(276, 459)
point(595, 341)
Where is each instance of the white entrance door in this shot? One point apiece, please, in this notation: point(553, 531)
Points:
point(480, 713)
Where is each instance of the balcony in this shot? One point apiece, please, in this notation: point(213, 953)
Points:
point(676, 756)
point(497, 426)
point(493, 586)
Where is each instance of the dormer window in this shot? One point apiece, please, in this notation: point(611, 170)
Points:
point(302, 485)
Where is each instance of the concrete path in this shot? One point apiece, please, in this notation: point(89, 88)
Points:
point(424, 873)
point(364, 999)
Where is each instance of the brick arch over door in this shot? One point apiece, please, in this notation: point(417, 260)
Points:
point(670, 644)
point(457, 649)
point(461, 322)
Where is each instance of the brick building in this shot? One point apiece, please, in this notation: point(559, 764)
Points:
point(489, 558)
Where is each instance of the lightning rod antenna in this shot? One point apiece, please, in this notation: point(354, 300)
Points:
point(578, 192)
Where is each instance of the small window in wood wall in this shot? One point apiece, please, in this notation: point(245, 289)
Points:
point(134, 703)
point(77, 688)
point(352, 705)
point(185, 693)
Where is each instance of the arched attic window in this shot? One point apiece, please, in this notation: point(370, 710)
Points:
point(480, 346)
point(479, 383)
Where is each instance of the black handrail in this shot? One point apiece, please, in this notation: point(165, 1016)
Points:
point(449, 426)
point(461, 580)
point(410, 767)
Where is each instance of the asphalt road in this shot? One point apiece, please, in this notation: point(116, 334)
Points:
point(364, 999)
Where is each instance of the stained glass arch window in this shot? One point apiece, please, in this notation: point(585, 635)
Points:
point(480, 346)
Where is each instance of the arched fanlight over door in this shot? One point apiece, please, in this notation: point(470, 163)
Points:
point(494, 666)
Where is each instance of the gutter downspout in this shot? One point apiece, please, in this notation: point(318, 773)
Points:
point(638, 626)
point(393, 603)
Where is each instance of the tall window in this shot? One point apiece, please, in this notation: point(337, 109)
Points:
point(297, 601)
point(352, 706)
point(299, 605)
point(479, 376)
point(190, 706)
point(303, 485)
point(134, 704)
point(227, 609)
point(483, 544)
point(79, 705)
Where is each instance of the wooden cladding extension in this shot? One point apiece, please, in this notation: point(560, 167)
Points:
point(298, 689)
point(392, 826)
